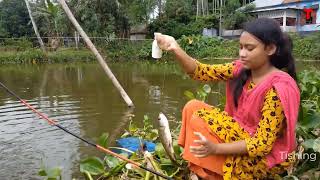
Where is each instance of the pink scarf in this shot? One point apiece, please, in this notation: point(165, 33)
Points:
point(248, 113)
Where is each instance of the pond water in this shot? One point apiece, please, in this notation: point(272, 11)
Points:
point(81, 98)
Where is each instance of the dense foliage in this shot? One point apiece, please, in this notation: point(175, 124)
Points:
point(235, 16)
point(115, 18)
point(14, 19)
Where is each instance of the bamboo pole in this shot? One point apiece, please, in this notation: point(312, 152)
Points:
point(96, 53)
point(35, 27)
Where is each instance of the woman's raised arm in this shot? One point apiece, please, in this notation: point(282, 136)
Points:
point(168, 43)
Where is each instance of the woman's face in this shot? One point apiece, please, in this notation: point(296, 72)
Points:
point(253, 53)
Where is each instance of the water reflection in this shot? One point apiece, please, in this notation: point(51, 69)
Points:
point(26, 139)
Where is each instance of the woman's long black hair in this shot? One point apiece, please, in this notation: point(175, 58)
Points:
point(269, 32)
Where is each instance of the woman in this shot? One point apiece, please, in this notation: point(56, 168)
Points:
point(254, 136)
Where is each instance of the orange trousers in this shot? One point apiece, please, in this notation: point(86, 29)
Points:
point(210, 167)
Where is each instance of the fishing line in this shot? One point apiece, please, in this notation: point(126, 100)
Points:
point(52, 122)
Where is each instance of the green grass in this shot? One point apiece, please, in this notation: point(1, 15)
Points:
point(37, 56)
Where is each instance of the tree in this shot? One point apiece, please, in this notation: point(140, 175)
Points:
point(202, 8)
point(14, 19)
point(139, 11)
point(235, 15)
point(99, 18)
point(52, 15)
point(179, 18)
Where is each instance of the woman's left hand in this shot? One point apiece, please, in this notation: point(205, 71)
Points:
point(205, 147)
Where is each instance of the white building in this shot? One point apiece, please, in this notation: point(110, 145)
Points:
point(290, 14)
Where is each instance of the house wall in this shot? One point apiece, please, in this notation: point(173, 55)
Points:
point(318, 15)
point(281, 16)
point(300, 23)
point(302, 27)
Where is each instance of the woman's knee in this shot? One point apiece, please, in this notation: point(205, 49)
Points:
point(194, 105)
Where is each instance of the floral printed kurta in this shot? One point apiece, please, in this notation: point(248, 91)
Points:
point(271, 125)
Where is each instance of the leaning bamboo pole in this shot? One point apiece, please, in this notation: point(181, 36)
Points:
point(35, 27)
point(96, 53)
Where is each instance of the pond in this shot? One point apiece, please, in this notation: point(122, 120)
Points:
point(81, 98)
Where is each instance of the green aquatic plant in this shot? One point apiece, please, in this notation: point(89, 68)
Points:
point(50, 173)
point(307, 165)
point(94, 167)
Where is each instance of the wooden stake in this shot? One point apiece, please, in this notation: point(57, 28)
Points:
point(96, 53)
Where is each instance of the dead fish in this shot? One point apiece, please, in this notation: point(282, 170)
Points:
point(165, 137)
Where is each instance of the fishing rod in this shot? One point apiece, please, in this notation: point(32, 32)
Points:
point(52, 122)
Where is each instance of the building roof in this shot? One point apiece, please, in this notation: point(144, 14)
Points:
point(290, 1)
point(270, 3)
point(267, 3)
point(273, 9)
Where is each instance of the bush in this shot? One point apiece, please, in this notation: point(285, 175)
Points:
point(16, 44)
point(203, 47)
point(306, 47)
point(36, 56)
point(178, 28)
point(32, 55)
point(68, 55)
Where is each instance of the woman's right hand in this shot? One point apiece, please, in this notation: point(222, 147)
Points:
point(165, 42)
point(168, 43)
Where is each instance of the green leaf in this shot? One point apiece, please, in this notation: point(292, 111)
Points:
point(103, 140)
point(153, 135)
point(201, 95)
point(314, 90)
point(132, 127)
point(111, 161)
point(311, 120)
point(42, 172)
point(145, 118)
point(54, 172)
point(189, 94)
point(114, 171)
point(92, 165)
point(159, 150)
point(310, 143)
point(177, 149)
point(316, 145)
point(165, 161)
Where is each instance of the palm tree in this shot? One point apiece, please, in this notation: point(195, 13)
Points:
point(51, 13)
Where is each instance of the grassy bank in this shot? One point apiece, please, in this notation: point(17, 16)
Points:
point(37, 56)
point(19, 51)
